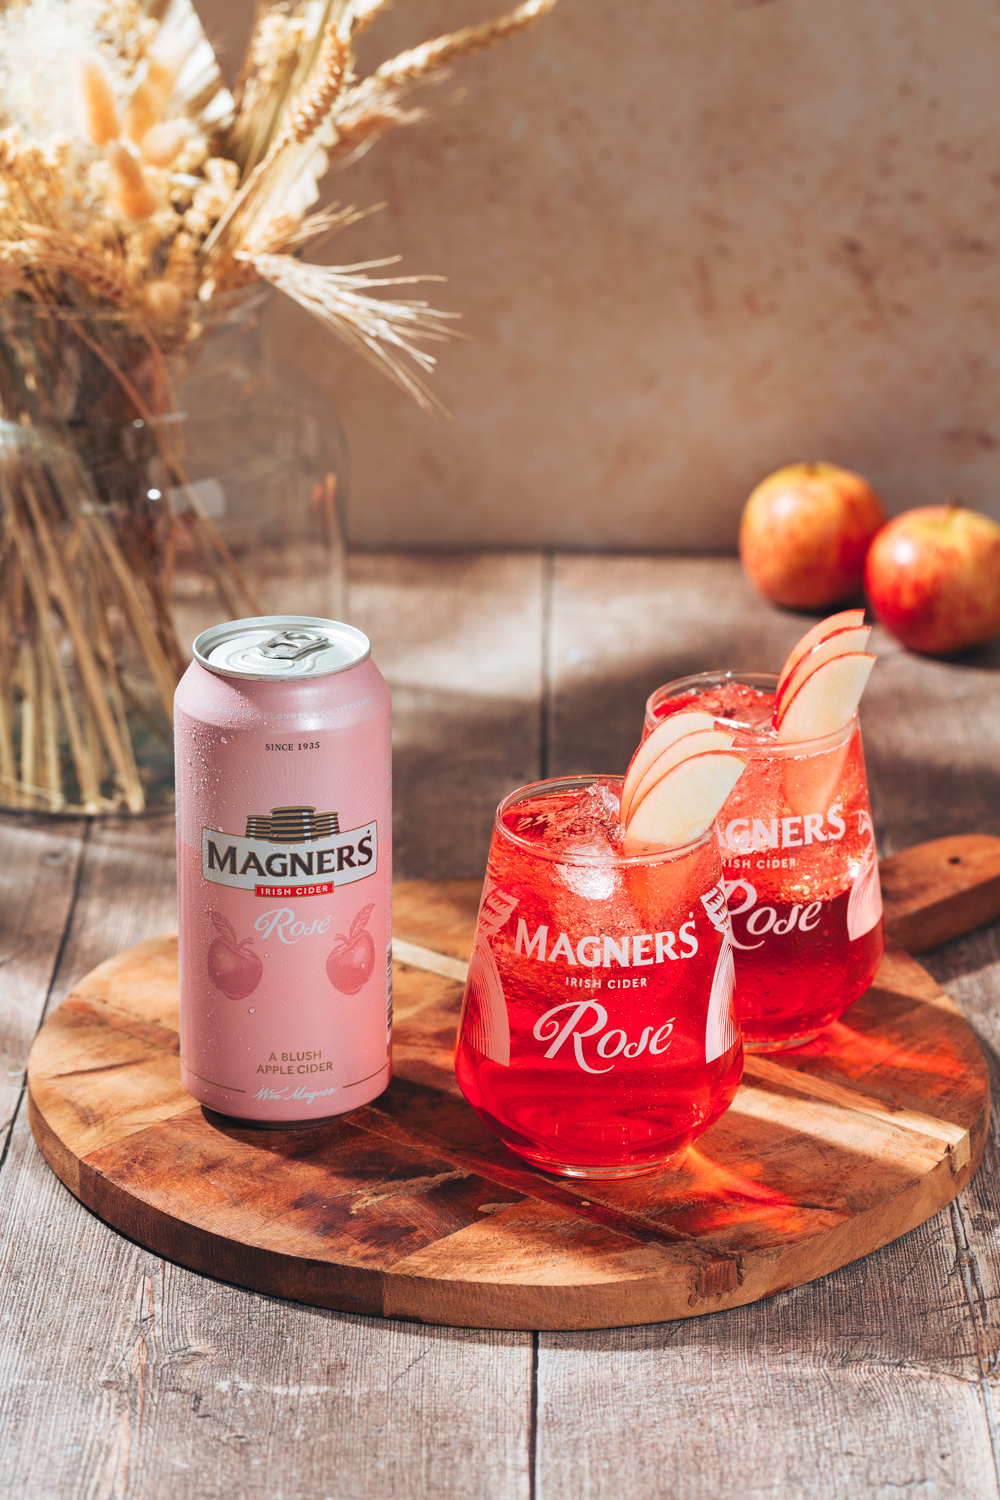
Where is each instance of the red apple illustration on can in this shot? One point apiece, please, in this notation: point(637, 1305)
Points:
point(352, 959)
point(232, 967)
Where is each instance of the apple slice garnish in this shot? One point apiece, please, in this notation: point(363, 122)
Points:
point(684, 802)
point(698, 743)
point(847, 619)
point(825, 700)
point(665, 733)
point(841, 643)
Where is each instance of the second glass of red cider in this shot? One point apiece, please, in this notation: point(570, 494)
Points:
point(799, 864)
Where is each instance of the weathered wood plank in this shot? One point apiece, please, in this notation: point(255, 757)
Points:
point(861, 1385)
point(621, 626)
point(971, 969)
point(926, 895)
point(39, 859)
point(458, 638)
point(127, 890)
point(121, 1375)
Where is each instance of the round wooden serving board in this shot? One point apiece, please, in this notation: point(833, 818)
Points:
point(411, 1208)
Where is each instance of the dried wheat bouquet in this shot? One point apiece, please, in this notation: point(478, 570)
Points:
point(135, 188)
point(131, 176)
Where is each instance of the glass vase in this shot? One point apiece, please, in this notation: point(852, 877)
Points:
point(151, 482)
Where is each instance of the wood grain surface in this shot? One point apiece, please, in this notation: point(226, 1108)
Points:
point(122, 1374)
point(128, 1377)
point(941, 890)
point(410, 1207)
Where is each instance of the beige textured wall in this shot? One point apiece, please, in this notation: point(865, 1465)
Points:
point(692, 239)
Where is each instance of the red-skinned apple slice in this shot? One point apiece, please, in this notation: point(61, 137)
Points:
point(683, 803)
point(698, 743)
point(667, 733)
point(847, 619)
point(841, 643)
point(826, 699)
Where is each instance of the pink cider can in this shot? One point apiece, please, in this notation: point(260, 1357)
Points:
point(284, 855)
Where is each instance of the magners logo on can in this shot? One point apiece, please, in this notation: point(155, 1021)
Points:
point(293, 844)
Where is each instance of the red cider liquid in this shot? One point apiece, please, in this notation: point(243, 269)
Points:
point(586, 1040)
point(798, 852)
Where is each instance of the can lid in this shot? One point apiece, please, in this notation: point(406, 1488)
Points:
point(281, 648)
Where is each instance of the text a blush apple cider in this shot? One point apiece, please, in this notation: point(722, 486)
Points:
point(798, 852)
point(284, 871)
point(597, 1037)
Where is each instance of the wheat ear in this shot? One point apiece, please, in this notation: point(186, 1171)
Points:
point(284, 232)
point(12, 280)
point(382, 331)
point(309, 109)
point(313, 103)
point(372, 107)
point(368, 113)
point(75, 256)
point(431, 56)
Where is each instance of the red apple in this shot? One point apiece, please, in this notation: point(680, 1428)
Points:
point(805, 531)
point(351, 961)
point(933, 578)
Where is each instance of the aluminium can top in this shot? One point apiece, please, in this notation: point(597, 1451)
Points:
point(281, 648)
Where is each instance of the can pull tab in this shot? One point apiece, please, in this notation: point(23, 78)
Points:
point(293, 645)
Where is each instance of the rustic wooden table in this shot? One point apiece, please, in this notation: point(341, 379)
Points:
point(123, 1376)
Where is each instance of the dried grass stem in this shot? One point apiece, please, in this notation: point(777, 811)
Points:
point(430, 57)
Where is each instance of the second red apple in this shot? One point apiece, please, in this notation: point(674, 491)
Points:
point(933, 578)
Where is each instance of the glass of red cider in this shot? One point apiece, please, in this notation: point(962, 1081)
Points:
point(799, 863)
point(598, 1036)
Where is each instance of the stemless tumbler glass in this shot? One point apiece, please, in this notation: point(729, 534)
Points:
point(798, 851)
point(598, 1036)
